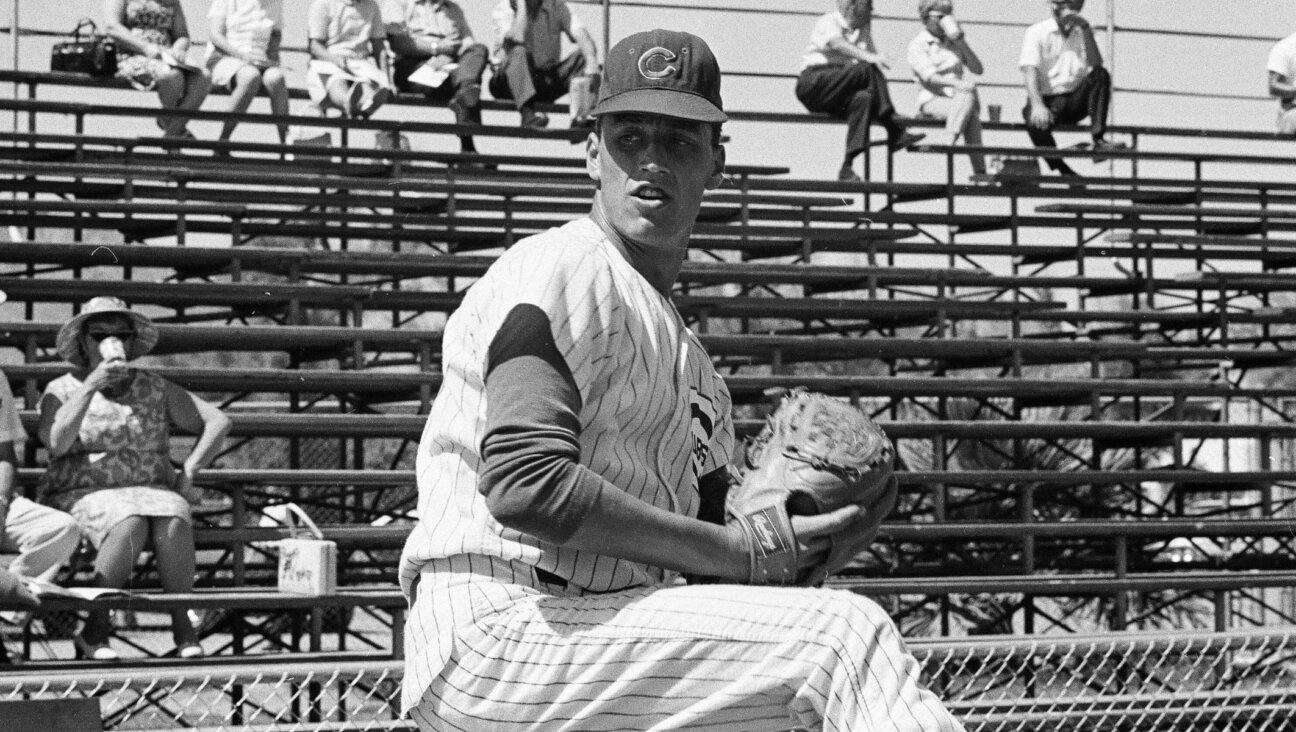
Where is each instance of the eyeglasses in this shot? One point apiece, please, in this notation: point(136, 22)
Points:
point(99, 335)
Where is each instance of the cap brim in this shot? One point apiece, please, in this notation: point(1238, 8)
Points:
point(665, 102)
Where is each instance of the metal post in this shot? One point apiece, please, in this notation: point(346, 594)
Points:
point(1110, 61)
point(13, 35)
point(607, 26)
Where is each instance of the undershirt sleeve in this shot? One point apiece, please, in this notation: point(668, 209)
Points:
point(532, 478)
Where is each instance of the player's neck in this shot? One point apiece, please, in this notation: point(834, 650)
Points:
point(651, 263)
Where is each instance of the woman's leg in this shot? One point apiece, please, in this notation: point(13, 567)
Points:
point(276, 86)
point(344, 95)
point(171, 89)
point(247, 82)
point(972, 133)
point(113, 567)
point(197, 84)
point(173, 546)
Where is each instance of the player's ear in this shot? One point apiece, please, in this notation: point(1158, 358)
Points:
point(592, 153)
point(717, 173)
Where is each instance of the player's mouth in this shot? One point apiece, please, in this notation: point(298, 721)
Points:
point(650, 194)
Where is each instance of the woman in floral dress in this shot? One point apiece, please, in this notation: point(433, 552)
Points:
point(107, 427)
point(152, 40)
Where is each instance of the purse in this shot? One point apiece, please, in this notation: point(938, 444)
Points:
point(307, 566)
point(94, 54)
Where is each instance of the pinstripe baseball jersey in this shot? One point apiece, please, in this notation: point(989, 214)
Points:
point(654, 417)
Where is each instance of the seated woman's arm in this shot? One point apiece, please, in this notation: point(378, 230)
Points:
point(60, 421)
point(195, 415)
point(114, 13)
point(179, 34)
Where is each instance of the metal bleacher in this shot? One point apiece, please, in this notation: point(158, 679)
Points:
point(1071, 371)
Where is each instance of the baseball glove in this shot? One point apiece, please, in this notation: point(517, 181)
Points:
point(816, 454)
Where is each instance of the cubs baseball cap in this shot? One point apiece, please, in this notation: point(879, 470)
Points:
point(670, 73)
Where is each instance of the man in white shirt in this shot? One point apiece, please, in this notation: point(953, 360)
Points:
point(436, 56)
point(842, 76)
point(1065, 79)
point(528, 66)
point(43, 538)
point(1282, 82)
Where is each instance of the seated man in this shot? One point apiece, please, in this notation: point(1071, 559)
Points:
point(1065, 79)
point(842, 75)
point(436, 56)
point(43, 538)
point(1282, 82)
point(527, 62)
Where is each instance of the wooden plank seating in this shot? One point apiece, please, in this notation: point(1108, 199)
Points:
point(305, 342)
point(1263, 217)
point(1110, 434)
point(398, 162)
point(369, 384)
point(261, 298)
point(487, 183)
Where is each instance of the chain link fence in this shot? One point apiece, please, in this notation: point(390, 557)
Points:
point(1243, 681)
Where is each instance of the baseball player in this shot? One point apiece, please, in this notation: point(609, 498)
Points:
point(580, 430)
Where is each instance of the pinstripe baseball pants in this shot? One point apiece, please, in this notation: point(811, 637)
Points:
point(709, 657)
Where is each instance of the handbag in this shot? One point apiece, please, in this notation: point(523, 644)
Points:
point(307, 566)
point(94, 54)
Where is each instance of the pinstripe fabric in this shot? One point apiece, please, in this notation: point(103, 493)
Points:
point(708, 657)
point(654, 416)
point(620, 646)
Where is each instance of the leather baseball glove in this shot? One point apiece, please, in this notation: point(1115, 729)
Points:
point(816, 454)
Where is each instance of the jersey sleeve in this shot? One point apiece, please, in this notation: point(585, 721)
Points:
point(317, 21)
point(11, 428)
point(825, 29)
point(1280, 59)
point(573, 287)
point(919, 60)
point(217, 10)
point(1030, 51)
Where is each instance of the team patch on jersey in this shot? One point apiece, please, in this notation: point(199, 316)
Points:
point(702, 425)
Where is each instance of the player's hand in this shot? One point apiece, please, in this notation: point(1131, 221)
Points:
point(814, 534)
point(964, 85)
point(882, 61)
point(1040, 117)
point(257, 60)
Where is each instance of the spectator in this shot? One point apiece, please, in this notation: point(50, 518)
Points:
point(346, 47)
point(842, 75)
point(243, 55)
point(941, 59)
point(432, 41)
point(527, 62)
point(152, 40)
point(43, 538)
point(107, 426)
point(1282, 82)
point(1065, 80)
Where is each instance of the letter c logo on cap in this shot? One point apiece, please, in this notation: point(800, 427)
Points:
point(655, 63)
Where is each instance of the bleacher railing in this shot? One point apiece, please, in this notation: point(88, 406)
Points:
point(1240, 681)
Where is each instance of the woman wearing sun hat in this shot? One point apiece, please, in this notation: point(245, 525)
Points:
point(107, 428)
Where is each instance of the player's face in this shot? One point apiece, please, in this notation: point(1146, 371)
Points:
point(651, 173)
